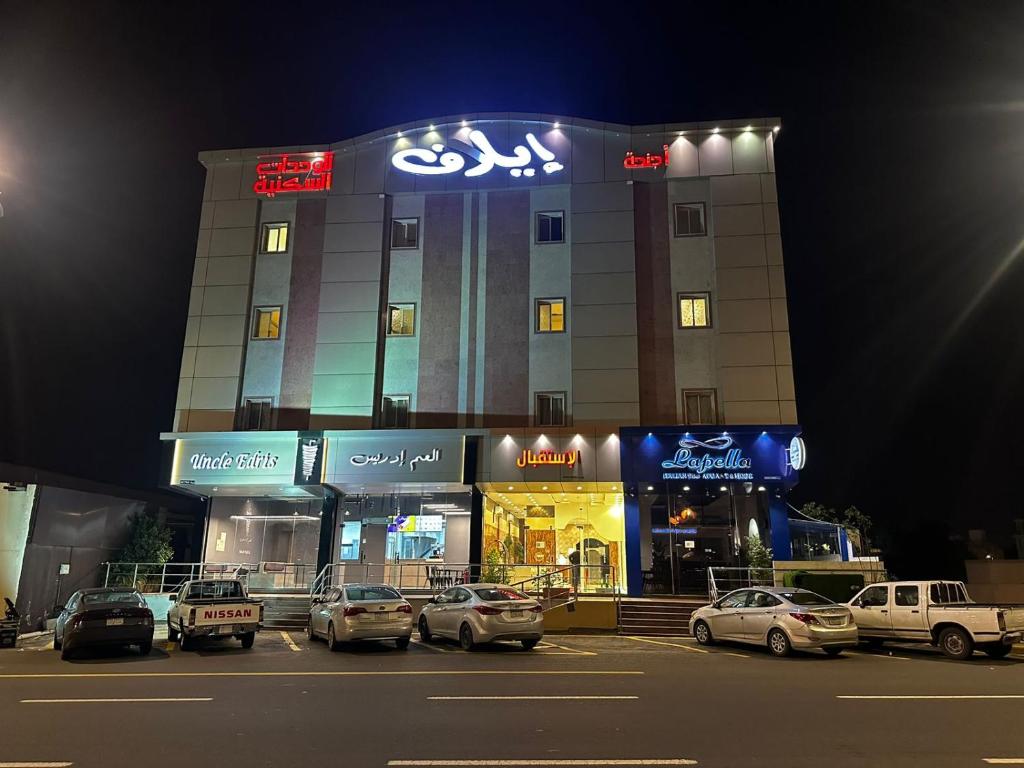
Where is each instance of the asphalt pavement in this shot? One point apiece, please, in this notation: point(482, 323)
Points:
point(575, 700)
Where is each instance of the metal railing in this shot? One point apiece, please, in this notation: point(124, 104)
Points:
point(566, 584)
point(722, 580)
point(167, 577)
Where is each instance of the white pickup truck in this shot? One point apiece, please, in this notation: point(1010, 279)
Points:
point(213, 608)
point(936, 612)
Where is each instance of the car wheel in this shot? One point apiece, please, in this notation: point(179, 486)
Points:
point(172, 633)
point(332, 641)
point(778, 643)
point(466, 638)
point(424, 630)
point(402, 643)
point(832, 651)
point(56, 643)
point(185, 643)
point(146, 647)
point(956, 643)
point(248, 639)
point(702, 633)
point(998, 650)
point(529, 645)
point(310, 634)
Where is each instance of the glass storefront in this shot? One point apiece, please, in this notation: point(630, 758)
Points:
point(526, 534)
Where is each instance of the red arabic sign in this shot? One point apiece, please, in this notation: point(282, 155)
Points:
point(283, 173)
point(632, 161)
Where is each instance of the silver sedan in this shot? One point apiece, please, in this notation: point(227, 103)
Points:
point(361, 612)
point(781, 618)
point(480, 613)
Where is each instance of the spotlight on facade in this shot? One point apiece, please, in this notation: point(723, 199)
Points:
point(650, 487)
point(430, 127)
point(775, 129)
point(724, 488)
point(761, 488)
point(686, 488)
point(464, 123)
point(557, 124)
point(716, 129)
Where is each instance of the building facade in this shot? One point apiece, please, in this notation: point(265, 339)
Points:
point(494, 295)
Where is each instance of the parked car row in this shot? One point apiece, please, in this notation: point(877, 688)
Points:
point(936, 612)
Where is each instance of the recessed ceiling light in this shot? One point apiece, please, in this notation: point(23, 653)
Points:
point(716, 129)
point(511, 488)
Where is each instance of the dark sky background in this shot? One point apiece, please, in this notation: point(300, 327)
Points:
point(900, 174)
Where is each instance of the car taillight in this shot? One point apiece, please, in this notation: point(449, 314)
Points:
point(535, 609)
point(191, 617)
point(74, 621)
point(405, 608)
point(1001, 618)
point(486, 610)
point(354, 610)
point(806, 618)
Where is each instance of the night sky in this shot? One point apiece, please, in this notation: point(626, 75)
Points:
point(900, 174)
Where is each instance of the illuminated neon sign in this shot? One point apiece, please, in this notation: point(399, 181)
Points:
point(544, 458)
point(633, 161)
point(280, 173)
point(440, 160)
point(721, 462)
point(797, 453)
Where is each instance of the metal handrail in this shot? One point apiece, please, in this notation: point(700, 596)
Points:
point(724, 579)
point(165, 577)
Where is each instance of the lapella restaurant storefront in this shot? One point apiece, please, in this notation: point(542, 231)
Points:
point(642, 511)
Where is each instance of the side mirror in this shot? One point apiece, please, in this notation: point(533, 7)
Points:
point(432, 601)
point(173, 597)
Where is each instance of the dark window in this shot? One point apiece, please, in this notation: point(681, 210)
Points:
point(372, 593)
point(694, 310)
point(401, 319)
point(875, 596)
point(275, 238)
point(763, 600)
point(256, 413)
point(266, 323)
point(689, 219)
point(493, 594)
point(394, 412)
point(550, 227)
point(550, 315)
point(550, 409)
point(700, 406)
point(803, 597)
point(405, 233)
point(906, 595)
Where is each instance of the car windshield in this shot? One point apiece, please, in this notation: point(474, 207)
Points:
point(110, 597)
point(206, 590)
point(372, 593)
point(499, 593)
point(803, 597)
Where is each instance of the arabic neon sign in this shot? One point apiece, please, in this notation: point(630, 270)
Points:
point(634, 161)
point(440, 160)
point(401, 459)
point(283, 173)
point(529, 458)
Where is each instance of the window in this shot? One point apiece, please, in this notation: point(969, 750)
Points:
point(405, 233)
point(401, 319)
point(874, 596)
point(275, 238)
point(394, 412)
point(266, 323)
point(372, 593)
point(550, 227)
point(764, 600)
point(550, 315)
point(496, 594)
point(906, 595)
point(550, 410)
point(735, 600)
point(689, 220)
point(803, 597)
point(256, 413)
point(947, 592)
point(694, 310)
point(700, 406)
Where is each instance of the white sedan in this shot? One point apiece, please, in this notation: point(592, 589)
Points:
point(781, 618)
point(361, 612)
point(480, 613)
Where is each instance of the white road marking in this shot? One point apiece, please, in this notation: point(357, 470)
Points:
point(291, 643)
point(431, 647)
point(549, 644)
point(331, 673)
point(929, 698)
point(26, 764)
point(662, 642)
point(111, 701)
point(529, 698)
point(880, 656)
point(1004, 760)
point(595, 761)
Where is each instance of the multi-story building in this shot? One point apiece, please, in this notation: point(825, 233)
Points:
point(498, 338)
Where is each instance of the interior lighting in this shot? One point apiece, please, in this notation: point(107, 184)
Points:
point(650, 487)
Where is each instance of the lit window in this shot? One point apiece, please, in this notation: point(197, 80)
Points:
point(401, 319)
point(266, 323)
point(550, 315)
point(700, 406)
point(550, 409)
point(256, 412)
point(394, 412)
point(694, 310)
point(405, 233)
point(689, 219)
point(275, 238)
point(550, 227)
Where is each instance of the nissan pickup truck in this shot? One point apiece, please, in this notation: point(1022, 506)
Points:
point(940, 613)
point(213, 608)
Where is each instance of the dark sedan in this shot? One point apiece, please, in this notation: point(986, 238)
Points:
point(104, 617)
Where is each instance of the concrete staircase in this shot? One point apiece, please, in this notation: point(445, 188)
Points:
point(654, 617)
point(285, 612)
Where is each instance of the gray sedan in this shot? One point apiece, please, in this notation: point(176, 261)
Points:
point(781, 618)
point(361, 612)
point(480, 613)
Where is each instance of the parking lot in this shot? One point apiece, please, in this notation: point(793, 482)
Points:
point(574, 700)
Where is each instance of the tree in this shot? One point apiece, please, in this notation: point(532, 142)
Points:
point(851, 518)
point(149, 541)
point(758, 557)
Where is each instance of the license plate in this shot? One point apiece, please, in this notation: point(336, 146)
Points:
point(115, 622)
point(382, 616)
point(226, 629)
point(516, 614)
